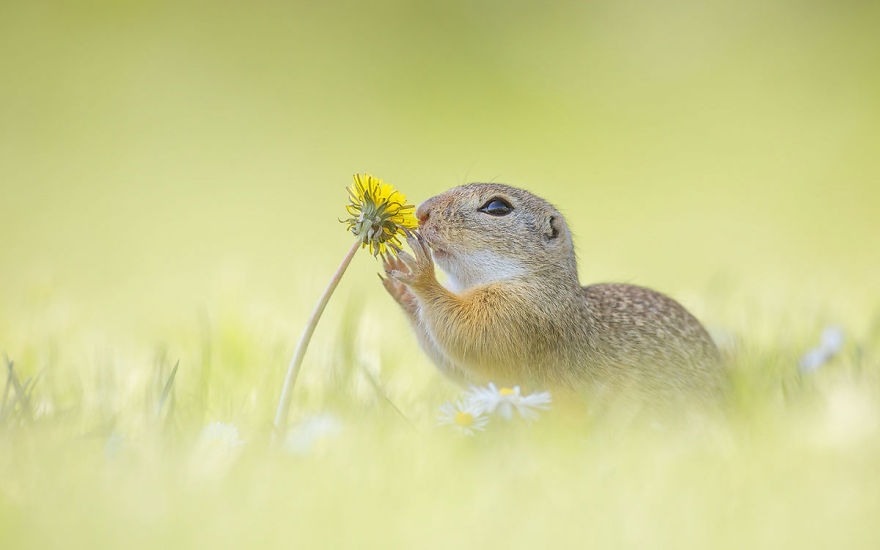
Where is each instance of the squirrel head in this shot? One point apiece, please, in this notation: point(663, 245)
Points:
point(482, 233)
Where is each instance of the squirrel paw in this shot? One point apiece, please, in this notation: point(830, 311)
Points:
point(413, 270)
point(395, 288)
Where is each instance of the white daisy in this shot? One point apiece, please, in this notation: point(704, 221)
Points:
point(505, 401)
point(463, 416)
point(218, 435)
point(216, 450)
point(312, 433)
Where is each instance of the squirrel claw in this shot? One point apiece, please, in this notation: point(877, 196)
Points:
point(420, 249)
point(399, 276)
point(414, 269)
point(391, 262)
point(401, 294)
point(405, 260)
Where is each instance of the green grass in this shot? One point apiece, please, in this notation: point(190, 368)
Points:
point(106, 452)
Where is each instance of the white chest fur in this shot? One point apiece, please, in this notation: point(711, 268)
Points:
point(465, 271)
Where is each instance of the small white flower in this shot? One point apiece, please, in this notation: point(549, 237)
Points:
point(832, 340)
point(216, 450)
point(114, 445)
point(220, 436)
point(505, 401)
point(463, 416)
point(310, 432)
point(813, 359)
point(830, 344)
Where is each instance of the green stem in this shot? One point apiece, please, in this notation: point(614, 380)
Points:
point(296, 360)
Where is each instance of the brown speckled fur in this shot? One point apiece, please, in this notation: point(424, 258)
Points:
point(514, 312)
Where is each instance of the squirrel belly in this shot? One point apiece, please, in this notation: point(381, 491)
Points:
point(501, 332)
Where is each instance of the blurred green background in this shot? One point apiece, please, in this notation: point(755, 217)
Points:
point(157, 156)
point(171, 176)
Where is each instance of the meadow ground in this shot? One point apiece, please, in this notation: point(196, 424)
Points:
point(106, 452)
point(171, 176)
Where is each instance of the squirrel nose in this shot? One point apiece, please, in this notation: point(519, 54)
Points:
point(423, 212)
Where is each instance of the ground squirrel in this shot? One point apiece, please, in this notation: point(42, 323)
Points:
point(514, 312)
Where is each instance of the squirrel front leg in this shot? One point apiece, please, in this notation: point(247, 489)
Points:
point(463, 328)
point(410, 305)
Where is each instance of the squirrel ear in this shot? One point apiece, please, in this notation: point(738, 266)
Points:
point(552, 227)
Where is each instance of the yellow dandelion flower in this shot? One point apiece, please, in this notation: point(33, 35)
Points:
point(379, 214)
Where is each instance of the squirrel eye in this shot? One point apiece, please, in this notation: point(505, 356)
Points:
point(496, 207)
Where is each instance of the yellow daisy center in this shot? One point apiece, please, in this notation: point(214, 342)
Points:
point(464, 418)
point(506, 391)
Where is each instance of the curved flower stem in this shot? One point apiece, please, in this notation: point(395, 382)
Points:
point(296, 360)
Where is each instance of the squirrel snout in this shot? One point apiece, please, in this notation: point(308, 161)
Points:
point(423, 212)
